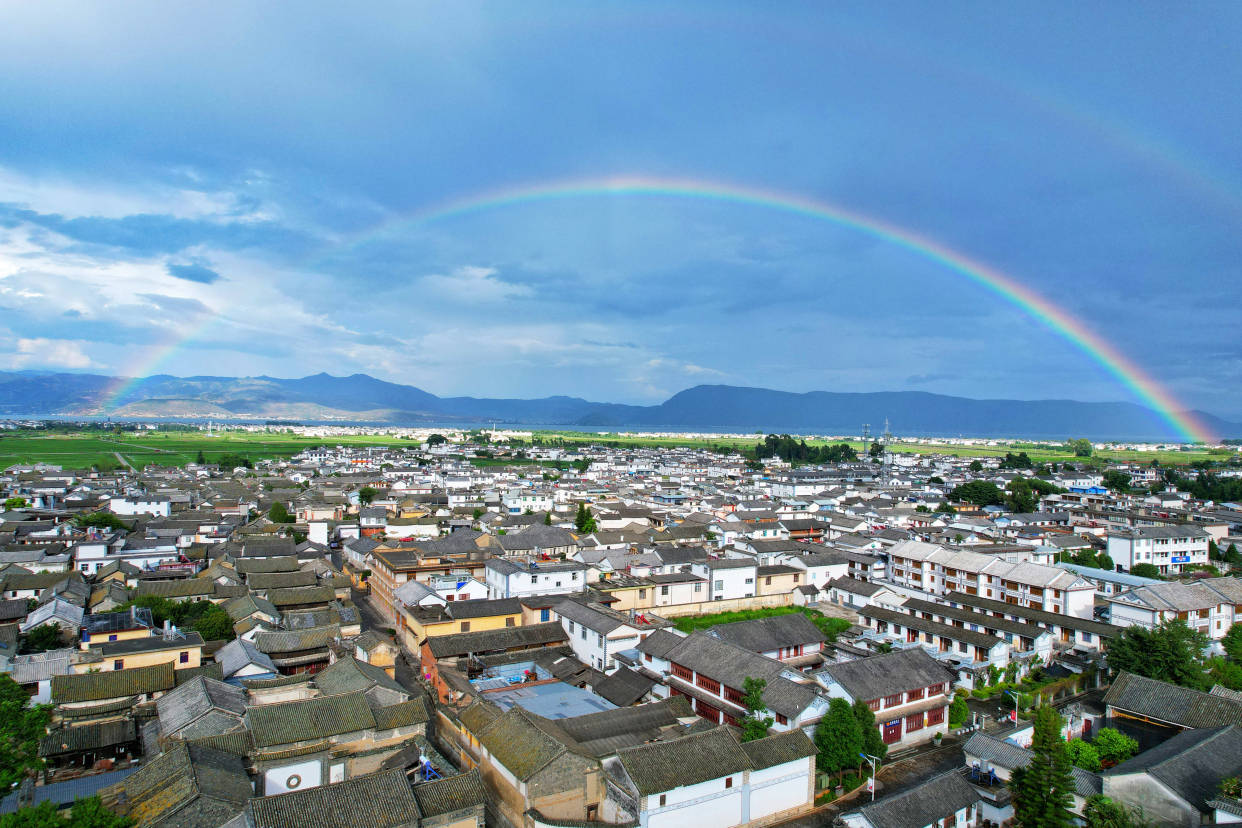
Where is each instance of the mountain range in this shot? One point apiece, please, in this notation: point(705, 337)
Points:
point(362, 398)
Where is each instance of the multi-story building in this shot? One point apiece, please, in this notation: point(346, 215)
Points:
point(909, 692)
point(1210, 606)
point(1171, 549)
point(521, 578)
point(728, 577)
point(935, 570)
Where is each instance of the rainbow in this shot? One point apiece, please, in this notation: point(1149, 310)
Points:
point(155, 360)
point(1143, 386)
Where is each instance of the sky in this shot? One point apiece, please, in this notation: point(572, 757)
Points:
point(239, 189)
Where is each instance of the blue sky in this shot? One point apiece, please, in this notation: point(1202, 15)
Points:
point(213, 172)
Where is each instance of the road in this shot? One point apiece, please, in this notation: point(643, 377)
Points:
point(407, 666)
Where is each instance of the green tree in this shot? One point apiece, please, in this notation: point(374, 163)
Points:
point(436, 440)
point(584, 521)
point(755, 725)
point(366, 495)
point(15, 503)
point(976, 466)
point(101, 520)
point(978, 492)
point(959, 711)
point(1145, 570)
point(582, 464)
point(876, 449)
point(42, 638)
point(1117, 481)
point(86, 813)
point(1102, 812)
point(1043, 790)
point(1225, 673)
point(547, 518)
point(279, 513)
point(1113, 746)
point(1083, 755)
point(21, 727)
point(1081, 447)
point(837, 738)
point(1232, 642)
point(1019, 497)
point(872, 742)
point(214, 625)
point(200, 459)
point(477, 513)
point(1169, 652)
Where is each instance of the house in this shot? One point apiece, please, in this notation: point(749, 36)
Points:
point(1210, 606)
point(241, 659)
point(386, 796)
point(522, 577)
point(710, 778)
point(793, 638)
point(1168, 705)
point(947, 799)
point(909, 692)
point(852, 592)
point(988, 756)
point(187, 784)
point(727, 578)
point(84, 697)
point(200, 707)
point(597, 633)
point(440, 654)
point(1174, 782)
point(1171, 549)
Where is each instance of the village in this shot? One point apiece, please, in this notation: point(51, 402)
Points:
point(604, 636)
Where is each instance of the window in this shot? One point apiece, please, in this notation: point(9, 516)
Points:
point(185, 657)
point(874, 704)
point(646, 656)
point(733, 694)
point(112, 637)
point(664, 590)
point(935, 717)
point(708, 684)
point(750, 580)
point(914, 695)
point(766, 581)
point(642, 593)
point(682, 672)
point(119, 664)
point(719, 585)
point(781, 720)
point(465, 626)
point(509, 622)
point(663, 800)
point(601, 639)
point(582, 633)
point(893, 700)
point(728, 781)
point(914, 722)
point(935, 689)
point(571, 626)
point(545, 615)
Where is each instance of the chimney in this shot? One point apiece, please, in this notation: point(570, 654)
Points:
point(167, 628)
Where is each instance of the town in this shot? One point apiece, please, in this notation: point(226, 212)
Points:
point(481, 628)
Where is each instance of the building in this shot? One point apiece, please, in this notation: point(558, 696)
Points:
point(909, 692)
point(521, 577)
point(1171, 549)
point(947, 799)
point(597, 633)
point(1210, 606)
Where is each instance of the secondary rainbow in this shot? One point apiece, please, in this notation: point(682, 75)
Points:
point(1143, 386)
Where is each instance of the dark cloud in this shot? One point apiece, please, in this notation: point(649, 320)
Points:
point(193, 273)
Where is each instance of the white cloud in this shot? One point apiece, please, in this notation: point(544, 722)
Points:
point(472, 284)
point(61, 353)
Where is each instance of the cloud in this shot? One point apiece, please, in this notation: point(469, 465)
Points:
point(193, 273)
point(473, 285)
point(61, 353)
point(176, 304)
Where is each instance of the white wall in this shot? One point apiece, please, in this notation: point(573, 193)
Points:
point(275, 780)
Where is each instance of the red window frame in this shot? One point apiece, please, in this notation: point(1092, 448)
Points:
point(935, 689)
point(893, 700)
point(935, 716)
point(914, 695)
point(732, 694)
point(683, 672)
point(710, 685)
point(874, 704)
point(914, 722)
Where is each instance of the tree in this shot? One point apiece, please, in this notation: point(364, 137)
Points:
point(100, 520)
point(215, 625)
point(1169, 652)
point(1225, 673)
point(976, 466)
point(959, 711)
point(1019, 497)
point(1083, 755)
point(436, 440)
point(1145, 570)
point(582, 465)
point(15, 503)
point(42, 639)
point(584, 521)
point(86, 813)
point(872, 742)
point(21, 728)
point(1081, 447)
point(1113, 746)
point(200, 459)
point(1232, 642)
point(876, 449)
point(1043, 789)
point(837, 738)
point(1102, 812)
point(1117, 481)
point(477, 513)
point(978, 492)
point(279, 513)
point(755, 725)
point(936, 480)
point(365, 495)
point(547, 518)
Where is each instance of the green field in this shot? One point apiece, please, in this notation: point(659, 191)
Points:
point(82, 449)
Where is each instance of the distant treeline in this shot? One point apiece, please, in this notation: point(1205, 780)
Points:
point(797, 451)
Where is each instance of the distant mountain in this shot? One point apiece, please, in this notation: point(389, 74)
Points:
point(363, 398)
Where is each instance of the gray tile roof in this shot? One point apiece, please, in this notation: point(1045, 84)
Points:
point(624, 687)
point(112, 684)
point(1007, 755)
point(689, 760)
point(307, 719)
point(878, 676)
point(779, 749)
point(761, 635)
point(197, 698)
point(1166, 702)
point(1192, 763)
point(730, 664)
point(484, 641)
point(377, 800)
point(454, 793)
point(604, 733)
point(94, 736)
point(923, 804)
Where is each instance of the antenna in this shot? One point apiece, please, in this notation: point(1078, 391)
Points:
point(866, 435)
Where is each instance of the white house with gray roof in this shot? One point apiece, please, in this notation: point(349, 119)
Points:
point(1171, 549)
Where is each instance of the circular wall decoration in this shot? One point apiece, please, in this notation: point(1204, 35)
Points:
point(293, 781)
